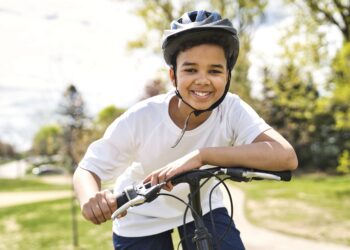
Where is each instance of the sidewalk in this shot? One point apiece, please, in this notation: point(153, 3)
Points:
point(8, 199)
point(256, 238)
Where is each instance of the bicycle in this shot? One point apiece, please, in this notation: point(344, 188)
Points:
point(139, 194)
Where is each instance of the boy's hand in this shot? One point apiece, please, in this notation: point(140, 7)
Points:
point(99, 209)
point(184, 164)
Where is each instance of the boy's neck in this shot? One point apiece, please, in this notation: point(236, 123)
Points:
point(179, 111)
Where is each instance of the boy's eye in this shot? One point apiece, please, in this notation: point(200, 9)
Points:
point(190, 70)
point(215, 71)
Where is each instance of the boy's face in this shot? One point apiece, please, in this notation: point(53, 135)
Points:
point(201, 75)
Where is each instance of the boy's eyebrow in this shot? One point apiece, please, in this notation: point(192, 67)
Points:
point(194, 64)
point(218, 66)
point(188, 64)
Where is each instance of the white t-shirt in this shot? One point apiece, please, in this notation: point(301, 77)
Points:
point(140, 141)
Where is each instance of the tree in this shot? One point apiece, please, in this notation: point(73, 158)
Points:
point(105, 117)
point(153, 87)
point(157, 15)
point(344, 163)
point(6, 150)
point(47, 141)
point(334, 13)
point(322, 134)
point(74, 121)
point(289, 104)
point(291, 91)
point(339, 104)
point(341, 94)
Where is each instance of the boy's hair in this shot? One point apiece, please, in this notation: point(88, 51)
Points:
point(219, 40)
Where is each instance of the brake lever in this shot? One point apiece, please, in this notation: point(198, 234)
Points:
point(138, 195)
point(138, 200)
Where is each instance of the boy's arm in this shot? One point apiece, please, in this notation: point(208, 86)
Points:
point(269, 151)
point(96, 206)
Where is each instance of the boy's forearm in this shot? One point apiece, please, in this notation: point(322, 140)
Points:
point(267, 155)
point(86, 184)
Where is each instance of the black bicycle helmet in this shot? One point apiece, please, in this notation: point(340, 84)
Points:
point(198, 26)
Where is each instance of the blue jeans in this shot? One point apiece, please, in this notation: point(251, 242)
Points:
point(163, 241)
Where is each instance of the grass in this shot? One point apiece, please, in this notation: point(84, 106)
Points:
point(313, 206)
point(47, 225)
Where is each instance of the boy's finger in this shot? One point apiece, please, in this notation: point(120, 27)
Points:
point(147, 179)
point(111, 200)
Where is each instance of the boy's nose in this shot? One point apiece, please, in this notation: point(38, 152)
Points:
point(203, 79)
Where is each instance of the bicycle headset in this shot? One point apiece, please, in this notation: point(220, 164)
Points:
point(199, 27)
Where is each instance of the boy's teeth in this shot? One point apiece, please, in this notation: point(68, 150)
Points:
point(201, 93)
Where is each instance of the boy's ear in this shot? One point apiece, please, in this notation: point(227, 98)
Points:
point(172, 76)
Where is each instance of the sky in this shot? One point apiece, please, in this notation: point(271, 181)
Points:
point(47, 45)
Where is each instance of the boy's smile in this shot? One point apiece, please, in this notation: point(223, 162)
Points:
point(201, 75)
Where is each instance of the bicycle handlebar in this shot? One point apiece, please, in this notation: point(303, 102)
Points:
point(137, 195)
point(235, 174)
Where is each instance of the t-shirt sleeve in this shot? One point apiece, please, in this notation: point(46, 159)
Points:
point(246, 123)
point(109, 156)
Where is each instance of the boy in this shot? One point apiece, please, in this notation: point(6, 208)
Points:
point(196, 125)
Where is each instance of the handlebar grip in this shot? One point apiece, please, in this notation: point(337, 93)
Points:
point(122, 199)
point(244, 174)
point(284, 175)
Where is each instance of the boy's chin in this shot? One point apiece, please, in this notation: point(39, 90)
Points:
point(201, 107)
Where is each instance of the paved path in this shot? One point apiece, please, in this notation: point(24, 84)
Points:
point(258, 238)
point(8, 199)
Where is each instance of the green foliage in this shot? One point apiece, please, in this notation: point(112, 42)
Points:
point(289, 105)
point(291, 91)
point(246, 12)
point(106, 116)
point(317, 125)
point(47, 141)
point(157, 16)
point(344, 163)
point(335, 12)
point(333, 115)
point(240, 83)
point(341, 95)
